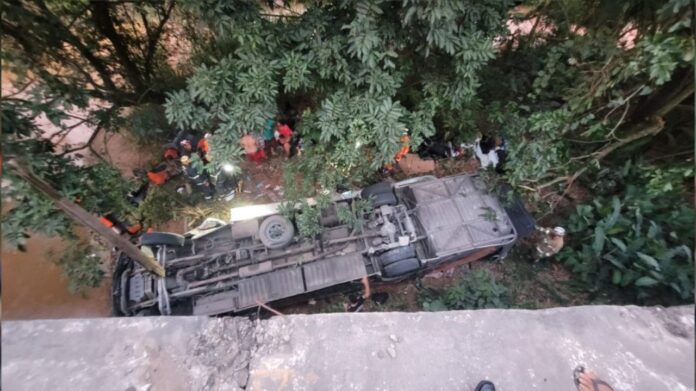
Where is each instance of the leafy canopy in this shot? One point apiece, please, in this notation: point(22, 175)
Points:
point(361, 72)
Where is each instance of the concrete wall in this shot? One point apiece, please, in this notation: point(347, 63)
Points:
point(630, 347)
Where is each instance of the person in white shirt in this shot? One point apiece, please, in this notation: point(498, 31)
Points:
point(490, 152)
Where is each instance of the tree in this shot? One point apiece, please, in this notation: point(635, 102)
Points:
point(44, 187)
point(604, 77)
point(112, 51)
point(99, 188)
point(76, 62)
point(600, 97)
point(360, 71)
point(87, 60)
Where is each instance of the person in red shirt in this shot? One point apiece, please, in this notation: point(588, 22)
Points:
point(284, 134)
point(251, 148)
point(203, 148)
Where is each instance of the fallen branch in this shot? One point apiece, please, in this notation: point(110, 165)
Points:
point(621, 120)
point(552, 182)
point(652, 128)
point(269, 308)
point(688, 152)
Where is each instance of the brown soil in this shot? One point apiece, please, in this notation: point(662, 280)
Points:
point(263, 183)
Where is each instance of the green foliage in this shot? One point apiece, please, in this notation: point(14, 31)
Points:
point(639, 241)
point(478, 289)
point(593, 90)
point(667, 180)
point(489, 214)
point(148, 124)
point(307, 219)
point(355, 60)
point(354, 214)
point(236, 93)
point(306, 215)
point(81, 265)
point(99, 188)
point(160, 205)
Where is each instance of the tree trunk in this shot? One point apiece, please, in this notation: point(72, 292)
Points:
point(84, 218)
point(668, 97)
point(70, 38)
point(101, 14)
point(50, 40)
point(153, 40)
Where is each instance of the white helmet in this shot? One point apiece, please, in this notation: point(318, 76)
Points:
point(560, 231)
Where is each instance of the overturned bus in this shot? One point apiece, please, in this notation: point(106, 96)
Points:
point(230, 267)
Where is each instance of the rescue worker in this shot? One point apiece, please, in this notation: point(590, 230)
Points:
point(405, 140)
point(185, 148)
point(185, 142)
point(405, 147)
point(120, 227)
point(356, 302)
point(171, 152)
point(159, 174)
point(201, 181)
point(203, 148)
point(551, 242)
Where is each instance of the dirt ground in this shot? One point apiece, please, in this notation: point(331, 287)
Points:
point(263, 183)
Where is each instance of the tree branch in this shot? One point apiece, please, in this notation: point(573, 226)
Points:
point(62, 134)
point(101, 14)
point(651, 128)
point(70, 38)
point(153, 40)
point(639, 131)
point(88, 144)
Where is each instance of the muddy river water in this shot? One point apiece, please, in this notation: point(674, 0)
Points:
point(35, 288)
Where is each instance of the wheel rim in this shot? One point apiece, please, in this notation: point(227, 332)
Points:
point(275, 231)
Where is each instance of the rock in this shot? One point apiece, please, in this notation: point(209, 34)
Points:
point(392, 351)
point(242, 378)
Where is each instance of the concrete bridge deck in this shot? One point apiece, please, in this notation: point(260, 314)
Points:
point(632, 348)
